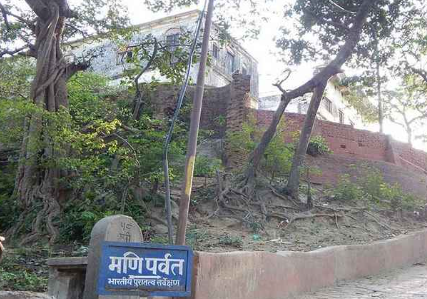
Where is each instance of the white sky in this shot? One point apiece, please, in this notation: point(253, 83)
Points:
point(263, 49)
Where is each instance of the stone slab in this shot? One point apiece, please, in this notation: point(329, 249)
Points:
point(117, 228)
point(23, 295)
point(67, 262)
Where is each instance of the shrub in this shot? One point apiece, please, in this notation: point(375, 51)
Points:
point(206, 167)
point(318, 146)
point(346, 190)
point(228, 240)
point(372, 186)
point(277, 158)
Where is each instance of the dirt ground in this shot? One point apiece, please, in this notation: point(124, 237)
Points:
point(283, 227)
point(270, 223)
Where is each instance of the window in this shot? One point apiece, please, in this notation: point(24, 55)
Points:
point(172, 42)
point(124, 57)
point(215, 51)
point(230, 62)
point(328, 105)
point(341, 115)
point(244, 71)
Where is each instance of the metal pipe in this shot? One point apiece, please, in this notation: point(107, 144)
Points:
point(184, 203)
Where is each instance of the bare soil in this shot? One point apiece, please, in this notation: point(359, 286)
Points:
point(275, 223)
point(271, 223)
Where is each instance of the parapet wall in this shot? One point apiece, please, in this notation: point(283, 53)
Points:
point(225, 109)
point(344, 140)
point(254, 275)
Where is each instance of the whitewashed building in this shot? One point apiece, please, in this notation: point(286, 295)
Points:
point(226, 58)
point(334, 106)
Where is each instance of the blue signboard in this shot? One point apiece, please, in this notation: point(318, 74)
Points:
point(145, 270)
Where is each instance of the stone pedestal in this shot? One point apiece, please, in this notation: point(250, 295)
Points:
point(117, 228)
point(67, 277)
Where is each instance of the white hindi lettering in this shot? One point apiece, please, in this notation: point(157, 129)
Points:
point(132, 261)
point(151, 264)
point(165, 265)
point(128, 260)
point(116, 264)
point(180, 265)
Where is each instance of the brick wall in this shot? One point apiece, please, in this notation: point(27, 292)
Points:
point(224, 108)
point(347, 141)
point(164, 99)
point(232, 104)
point(237, 113)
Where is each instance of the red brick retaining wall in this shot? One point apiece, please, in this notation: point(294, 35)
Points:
point(344, 140)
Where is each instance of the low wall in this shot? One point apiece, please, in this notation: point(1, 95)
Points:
point(255, 275)
point(333, 167)
point(344, 140)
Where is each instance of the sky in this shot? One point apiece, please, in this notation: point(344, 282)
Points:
point(263, 49)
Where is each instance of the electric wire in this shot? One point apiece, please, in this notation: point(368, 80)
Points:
point(172, 126)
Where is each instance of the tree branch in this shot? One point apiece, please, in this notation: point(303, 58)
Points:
point(73, 68)
point(12, 52)
point(279, 84)
point(334, 67)
point(341, 8)
point(39, 8)
point(421, 73)
point(4, 14)
point(329, 22)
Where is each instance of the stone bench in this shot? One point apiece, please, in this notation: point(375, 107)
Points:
point(67, 277)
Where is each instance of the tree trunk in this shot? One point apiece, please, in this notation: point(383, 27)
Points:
point(301, 150)
point(380, 100)
point(37, 185)
point(409, 132)
point(378, 79)
point(333, 68)
point(258, 153)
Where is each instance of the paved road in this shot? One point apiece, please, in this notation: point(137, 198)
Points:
point(410, 283)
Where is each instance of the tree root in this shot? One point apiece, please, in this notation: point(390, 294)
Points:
point(274, 191)
point(302, 217)
point(379, 222)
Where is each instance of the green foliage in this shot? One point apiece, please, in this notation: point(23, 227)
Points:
point(195, 237)
point(111, 154)
point(373, 184)
point(106, 152)
point(169, 61)
point(229, 240)
point(15, 74)
point(278, 155)
point(372, 187)
point(206, 167)
point(18, 277)
point(346, 190)
point(221, 120)
point(318, 146)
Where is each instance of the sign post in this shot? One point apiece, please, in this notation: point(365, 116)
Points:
point(148, 270)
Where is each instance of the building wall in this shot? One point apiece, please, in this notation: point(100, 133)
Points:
point(224, 108)
point(107, 61)
point(333, 93)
